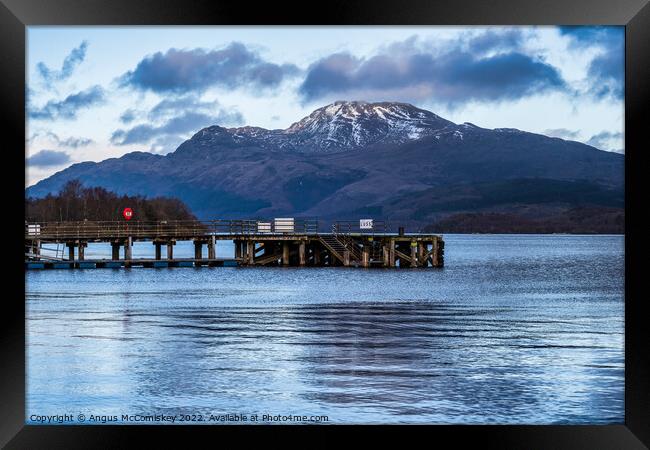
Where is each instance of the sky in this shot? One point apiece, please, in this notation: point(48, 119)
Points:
point(95, 93)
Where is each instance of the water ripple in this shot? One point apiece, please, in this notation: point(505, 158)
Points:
point(524, 329)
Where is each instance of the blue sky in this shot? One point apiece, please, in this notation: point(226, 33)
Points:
point(100, 92)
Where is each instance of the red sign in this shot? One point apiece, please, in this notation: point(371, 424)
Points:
point(127, 213)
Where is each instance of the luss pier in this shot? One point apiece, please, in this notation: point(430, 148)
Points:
point(278, 242)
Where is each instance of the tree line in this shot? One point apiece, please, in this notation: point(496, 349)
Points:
point(579, 220)
point(74, 202)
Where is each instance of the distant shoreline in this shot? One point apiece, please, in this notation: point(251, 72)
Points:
point(533, 234)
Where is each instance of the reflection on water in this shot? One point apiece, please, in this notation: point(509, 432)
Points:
point(515, 329)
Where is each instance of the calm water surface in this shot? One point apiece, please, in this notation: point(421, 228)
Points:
point(514, 329)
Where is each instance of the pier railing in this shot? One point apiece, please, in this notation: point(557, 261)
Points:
point(162, 229)
point(188, 229)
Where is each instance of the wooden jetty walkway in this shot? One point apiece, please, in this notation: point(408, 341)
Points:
point(278, 242)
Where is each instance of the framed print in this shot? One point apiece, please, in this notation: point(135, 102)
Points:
point(381, 215)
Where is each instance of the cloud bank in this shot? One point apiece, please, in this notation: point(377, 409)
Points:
point(562, 133)
point(172, 119)
point(607, 140)
point(184, 71)
point(606, 72)
point(74, 58)
point(489, 67)
point(68, 107)
point(48, 158)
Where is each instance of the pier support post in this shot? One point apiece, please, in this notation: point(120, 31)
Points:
point(198, 250)
point(414, 257)
point(128, 251)
point(250, 252)
point(170, 249)
point(237, 248)
point(82, 245)
point(365, 255)
point(385, 255)
point(158, 250)
point(37, 246)
point(301, 253)
point(346, 258)
point(434, 253)
point(212, 248)
point(115, 251)
point(421, 251)
point(391, 253)
point(285, 253)
point(70, 246)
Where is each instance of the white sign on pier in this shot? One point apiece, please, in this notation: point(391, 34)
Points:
point(365, 224)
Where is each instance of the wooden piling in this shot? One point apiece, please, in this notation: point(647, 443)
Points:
point(434, 253)
point(128, 248)
point(391, 251)
point(414, 258)
point(301, 253)
point(70, 246)
point(158, 246)
point(170, 249)
point(285, 253)
point(128, 251)
point(115, 251)
point(212, 250)
point(365, 255)
point(250, 252)
point(198, 250)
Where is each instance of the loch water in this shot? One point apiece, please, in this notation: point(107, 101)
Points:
point(515, 329)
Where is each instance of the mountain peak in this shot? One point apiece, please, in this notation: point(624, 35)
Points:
point(342, 125)
point(356, 108)
point(355, 124)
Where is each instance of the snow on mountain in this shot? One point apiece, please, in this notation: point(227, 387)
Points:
point(345, 125)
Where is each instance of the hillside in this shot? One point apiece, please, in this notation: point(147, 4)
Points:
point(354, 159)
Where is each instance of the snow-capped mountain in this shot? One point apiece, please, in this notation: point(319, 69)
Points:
point(343, 125)
point(352, 159)
point(359, 124)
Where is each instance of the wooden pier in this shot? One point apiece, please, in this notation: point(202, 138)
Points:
point(279, 242)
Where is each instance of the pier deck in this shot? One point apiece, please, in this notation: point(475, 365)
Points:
point(283, 242)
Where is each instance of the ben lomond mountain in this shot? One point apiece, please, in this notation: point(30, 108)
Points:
point(350, 125)
point(338, 127)
point(358, 159)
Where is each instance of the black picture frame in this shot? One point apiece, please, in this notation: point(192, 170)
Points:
point(16, 15)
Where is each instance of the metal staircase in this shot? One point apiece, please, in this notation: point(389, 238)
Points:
point(333, 245)
point(337, 244)
point(349, 244)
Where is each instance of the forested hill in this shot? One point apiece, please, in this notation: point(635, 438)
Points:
point(77, 203)
point(356, 160)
